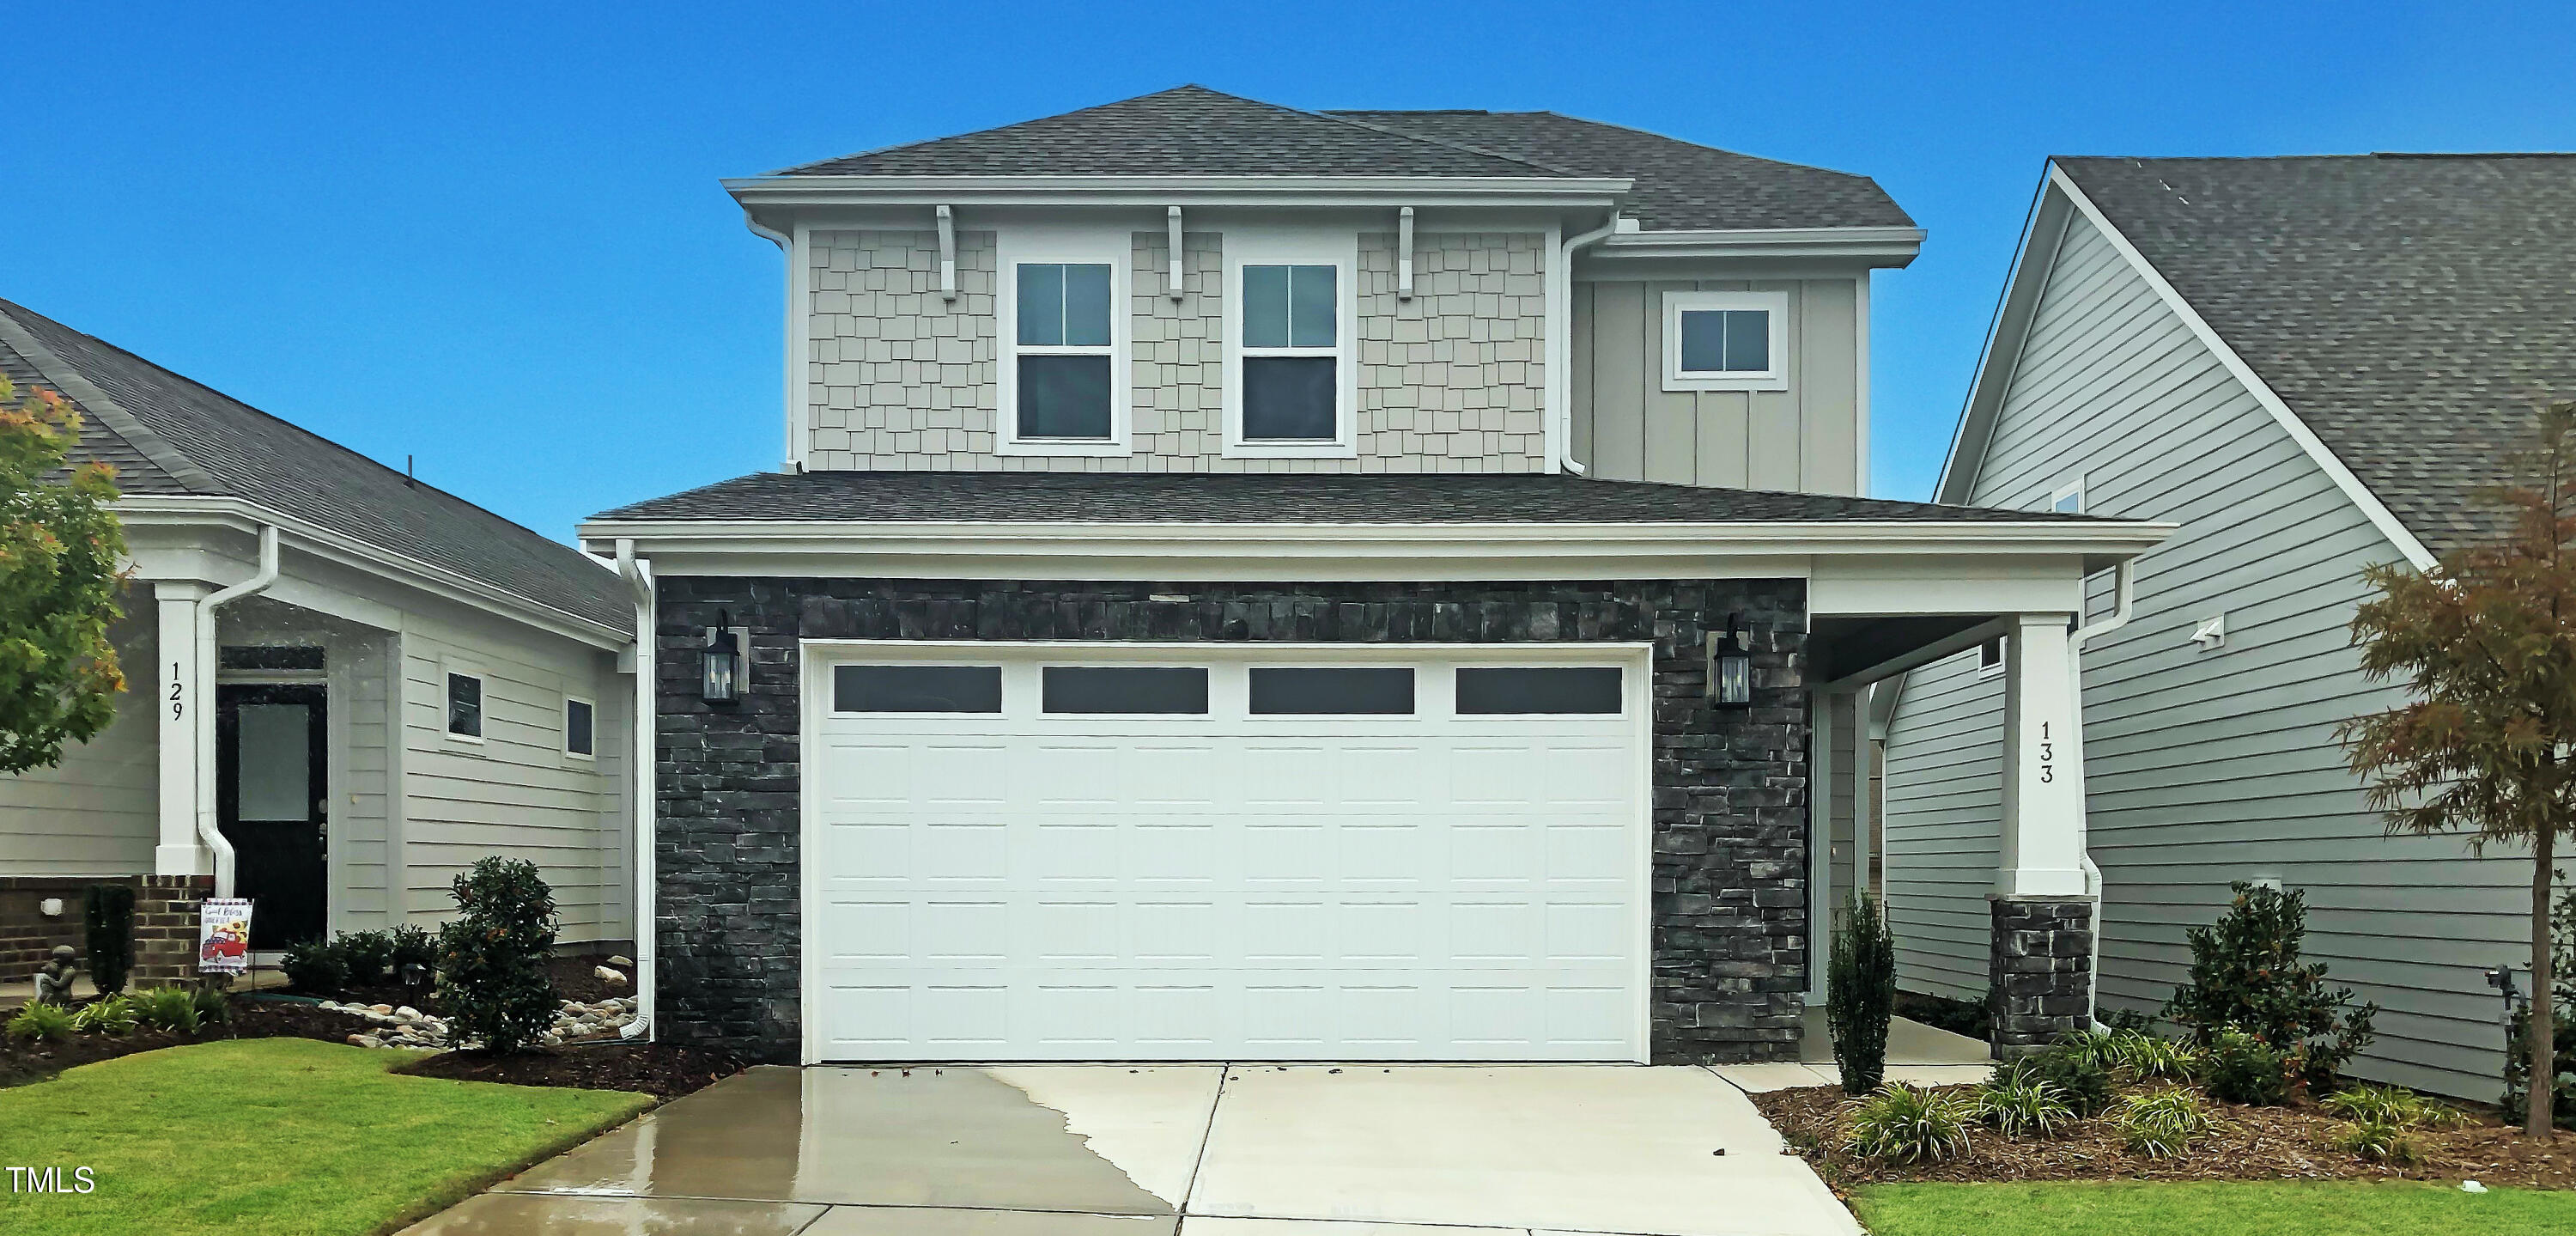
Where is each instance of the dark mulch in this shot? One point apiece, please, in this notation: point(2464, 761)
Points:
point(2253, 1143)
point(664, 1070)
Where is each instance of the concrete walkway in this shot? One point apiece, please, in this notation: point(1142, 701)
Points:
point(1181, 1150)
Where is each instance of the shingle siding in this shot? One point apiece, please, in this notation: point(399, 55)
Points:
point(2201, 767)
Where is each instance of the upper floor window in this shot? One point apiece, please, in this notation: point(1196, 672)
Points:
point(1726, 341)
point(2069, 498)
point(1063, 382)
point(1289, 388)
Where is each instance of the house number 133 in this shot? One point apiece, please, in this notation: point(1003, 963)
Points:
point(2047, 755)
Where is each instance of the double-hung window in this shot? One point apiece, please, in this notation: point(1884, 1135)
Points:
point(1289, 392)
point(1726, 341)
point(1063, 385)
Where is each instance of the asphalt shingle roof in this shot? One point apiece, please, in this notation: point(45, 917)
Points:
point(1238, 497)
point(2409, 308)
point(1679, 185)
point(168, 435)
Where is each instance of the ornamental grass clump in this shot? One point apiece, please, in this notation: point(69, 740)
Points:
point(2393, 1105)
point(2379, 1139)
point(39, 1021)
point(492, 956)
point(2017, 1105)
point(2145, 1055)
point(2163, 1124)
point(106, 1015)
point(2082, 1083)
point(1909, 1124)
point(168, 1008)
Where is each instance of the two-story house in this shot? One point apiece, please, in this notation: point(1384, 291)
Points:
point(1256, 583)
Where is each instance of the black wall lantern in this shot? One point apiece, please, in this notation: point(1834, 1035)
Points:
point(1730, 668)
point(722, 682)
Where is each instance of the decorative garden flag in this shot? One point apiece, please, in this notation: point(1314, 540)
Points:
point(223, 936)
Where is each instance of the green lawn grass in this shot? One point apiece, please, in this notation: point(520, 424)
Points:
point(2141, 1208)
point(285, 1136)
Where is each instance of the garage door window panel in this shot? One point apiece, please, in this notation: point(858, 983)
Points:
point(1103, 690)
point(1335, 691)
point(917, 688)
point(1540, 690)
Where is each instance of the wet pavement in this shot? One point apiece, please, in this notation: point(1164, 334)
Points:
point(1179, 1150)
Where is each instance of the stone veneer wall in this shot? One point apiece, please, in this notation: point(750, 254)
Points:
point(2042, 963)
point(1729, 788)
point(1450, 380)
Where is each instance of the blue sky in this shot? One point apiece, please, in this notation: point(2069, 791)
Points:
point(492, 238)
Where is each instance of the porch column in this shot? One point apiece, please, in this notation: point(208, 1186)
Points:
point(182, 692)
point(2041, 960)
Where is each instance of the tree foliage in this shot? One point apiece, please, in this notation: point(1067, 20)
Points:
point(492, 956)
point(2486, 640)
point(59, 549)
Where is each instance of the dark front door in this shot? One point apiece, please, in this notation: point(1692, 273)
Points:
point(270, 798)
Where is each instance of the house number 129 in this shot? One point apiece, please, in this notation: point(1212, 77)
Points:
point(178, 708)
point(2047, 754)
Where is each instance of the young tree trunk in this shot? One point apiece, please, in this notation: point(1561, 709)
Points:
point(2543, 1091)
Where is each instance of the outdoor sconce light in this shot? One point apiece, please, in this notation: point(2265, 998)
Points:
point(722, 683)
point(1730, 668)
point(415, 975)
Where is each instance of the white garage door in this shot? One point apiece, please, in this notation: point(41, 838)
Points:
point(1016, 853)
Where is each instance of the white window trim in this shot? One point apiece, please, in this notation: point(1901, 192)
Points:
point(1776, 378)
point(2003, 657)
point(1014, 247)
point(1339, 250)
point(482, 694)
point(2072, 489)
point(569, 700)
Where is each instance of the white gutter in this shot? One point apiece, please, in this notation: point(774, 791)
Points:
point(642, 728)
point(1560, 382)
point(208, 830)
point(2125, 588)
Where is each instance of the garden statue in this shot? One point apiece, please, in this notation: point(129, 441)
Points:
point(54, 978)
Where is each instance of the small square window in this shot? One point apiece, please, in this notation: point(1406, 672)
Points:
point(1354, 691)
point(1105, 690)
point(580, 719)
point(1726, 341)
point(1538, 690)
point(917, 688)
point(1990, 656)
point(464, 706)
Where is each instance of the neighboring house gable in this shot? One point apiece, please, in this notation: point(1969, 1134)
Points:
point(2212, 764)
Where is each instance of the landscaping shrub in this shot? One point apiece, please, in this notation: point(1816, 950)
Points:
point(2143, 1054)
point(2129, 1019)
point(2517, 1063)
point(2379, 1139)
point(213, 1009)
point(168, 1008)
point(2098, 1047)
point(2245, 1069)
point(2082, 1083)
point(2164, 1124)
point(1909, 1125)
point(315, 968)
point(108, 914)
point(2022, 1106)
point(106, 1015)
point(1860, 993)
point(2246, 975)
point(2390, 1104)
point(412, 946)
point(40, 1021)
point(492, 956)
point(366, 954)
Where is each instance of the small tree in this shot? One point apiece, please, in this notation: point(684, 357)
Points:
point(2486, 639)
point(108, 918)
point(492, 956)
point(59, 546)
point(2246, 976)
point(1860, 993)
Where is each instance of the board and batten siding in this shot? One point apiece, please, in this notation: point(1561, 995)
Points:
point(1627, 427)
point(2202, 767)
point(516, 793)
point(97, 812)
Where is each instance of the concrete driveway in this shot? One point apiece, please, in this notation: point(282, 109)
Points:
point(1180, 1150)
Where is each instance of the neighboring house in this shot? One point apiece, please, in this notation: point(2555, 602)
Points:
point(2311, 365)
point(1215, 604)
point(343, 686)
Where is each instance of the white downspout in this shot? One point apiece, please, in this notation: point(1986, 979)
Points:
point(2125, 590)
point(208, 829)
point(1561, 352)
point(640, 583)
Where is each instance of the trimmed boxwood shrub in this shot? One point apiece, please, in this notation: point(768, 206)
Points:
point(315, 968)
point(366, 954)
point(492, 956)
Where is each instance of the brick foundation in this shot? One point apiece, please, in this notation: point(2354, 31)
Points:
point(1729, 788)
point(165, 924)
point(165, 927)
point(27, 936)
point(2043, 971)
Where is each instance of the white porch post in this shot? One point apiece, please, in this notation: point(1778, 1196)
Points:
point(2043, 799)
point(180, 697)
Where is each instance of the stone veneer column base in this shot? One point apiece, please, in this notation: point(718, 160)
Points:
point(2042, 966)
point(165, 927)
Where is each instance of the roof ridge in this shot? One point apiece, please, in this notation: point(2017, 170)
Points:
point(70, 381)
point(793, 168)
point(1427, 139)
point(1553, 114)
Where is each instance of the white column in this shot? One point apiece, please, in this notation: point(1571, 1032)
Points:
point(1858, 757)
point(2043, 824)
point(183, 691)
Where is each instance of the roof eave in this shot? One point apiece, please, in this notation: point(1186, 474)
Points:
point(777, 191)
point(1877, 245)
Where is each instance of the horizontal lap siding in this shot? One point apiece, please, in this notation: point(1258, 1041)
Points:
point(97, 812)
point(2202, 767)
point(516, 793)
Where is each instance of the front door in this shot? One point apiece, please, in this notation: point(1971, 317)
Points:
point(271, 798)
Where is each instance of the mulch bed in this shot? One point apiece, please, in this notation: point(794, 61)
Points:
point(663, 1070)
point(575, 978)
point(2253, 1143)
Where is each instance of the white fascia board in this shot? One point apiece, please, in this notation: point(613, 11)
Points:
point(241, 516)
point(1161, 191)
point(1375, 551)
point(1880, 246)
point(2353, 488)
